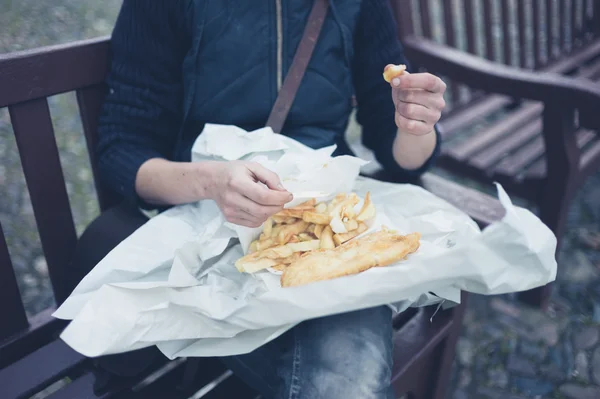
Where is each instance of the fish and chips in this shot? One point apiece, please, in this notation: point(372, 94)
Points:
point(318, 241)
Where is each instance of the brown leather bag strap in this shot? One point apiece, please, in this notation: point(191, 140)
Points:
point(290, 86)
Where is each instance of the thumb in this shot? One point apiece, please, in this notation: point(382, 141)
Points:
point(396, 81)
point(266, 176)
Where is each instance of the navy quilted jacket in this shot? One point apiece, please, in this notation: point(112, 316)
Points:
point(178, 64)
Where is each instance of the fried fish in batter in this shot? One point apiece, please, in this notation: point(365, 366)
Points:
point(375, 249)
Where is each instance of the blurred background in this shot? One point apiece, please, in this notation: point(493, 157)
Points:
point(506, 350)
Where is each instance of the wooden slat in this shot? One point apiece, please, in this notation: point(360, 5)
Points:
point(43, 173)
point(81, 388)
point(574, 28)
point(469, 21)
point(41, 331)
point(38, 370)
point(521, 159)
point(457, 121)
point(549, 30)
point(574, 61)
point(494, 132)
point(470, 25)
point(230, 387)
point(489, 29)
point(480, 207)
point(57, 69)
point(538, 168)
point(14, 318)
point(590, 159)
point(417, 339)
point(522, 24)
point(562, 20)
point(537, 27)
point(450, 33)
point(90, 100)
point(506, 35)
point(449, 23)
point(403, 13)
point(488, 157)
point(425, 18)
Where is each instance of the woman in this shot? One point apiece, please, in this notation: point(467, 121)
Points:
point(177, 65)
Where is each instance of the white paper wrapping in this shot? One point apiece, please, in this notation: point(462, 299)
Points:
point(173, 282)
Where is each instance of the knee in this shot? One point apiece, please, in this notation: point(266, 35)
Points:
point(101, 236)
point(350, 353)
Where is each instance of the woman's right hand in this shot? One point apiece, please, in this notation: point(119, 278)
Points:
point(246, 192)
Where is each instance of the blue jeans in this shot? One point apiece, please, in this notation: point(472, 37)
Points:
point(345, 356)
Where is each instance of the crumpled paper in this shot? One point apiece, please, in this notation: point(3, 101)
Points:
point(173, 282)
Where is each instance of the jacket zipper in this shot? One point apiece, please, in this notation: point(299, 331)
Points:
point(279, 45)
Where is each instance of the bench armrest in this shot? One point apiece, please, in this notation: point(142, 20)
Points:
point(479, 73)
point(479, 206)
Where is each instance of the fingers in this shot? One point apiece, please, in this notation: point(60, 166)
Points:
point(266, 176)
point(241, 210)
point(256, 192)
point(418, 112)
point(412, 126)
point(421, 97)
point(423, 81)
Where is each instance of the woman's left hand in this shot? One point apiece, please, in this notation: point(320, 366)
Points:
point(419, 101)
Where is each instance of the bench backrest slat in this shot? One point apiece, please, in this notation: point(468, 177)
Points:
point(14, 318)
point(40, 160)
point(506, 16)
point(90, 101)
point(488, 25)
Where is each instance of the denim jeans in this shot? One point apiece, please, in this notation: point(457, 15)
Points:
point(345, 356)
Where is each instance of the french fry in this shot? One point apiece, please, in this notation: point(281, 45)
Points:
point(275, 230)
point(318, 230)
point(307, 204)
point(311, 229)
point(392, 71)
point(367, 211)
point(339, 239)
point(277, 252)
point(304, 246)
point(255, 265)
point(305, 237)
point(286, 232)
point(279, 267)
point(341, 210)
point(261, 245)
point(316, 218)
point(338, 199)
point(321, 207)
point(268, 227)
point(326, 241)
point(290, 220)
point(291, 213)
point(253, 246)
point(294, 239)
point(279, 219)
point(351, 225)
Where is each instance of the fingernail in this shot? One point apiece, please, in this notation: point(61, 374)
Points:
point(280, 186)
point(396, 82)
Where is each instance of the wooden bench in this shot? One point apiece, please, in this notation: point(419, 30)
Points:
point(523, 98)
point(32, 357)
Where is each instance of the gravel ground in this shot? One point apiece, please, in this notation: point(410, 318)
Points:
point(506, 350)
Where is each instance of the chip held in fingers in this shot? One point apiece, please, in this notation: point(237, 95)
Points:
point(295, 233)
point(392, 71)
